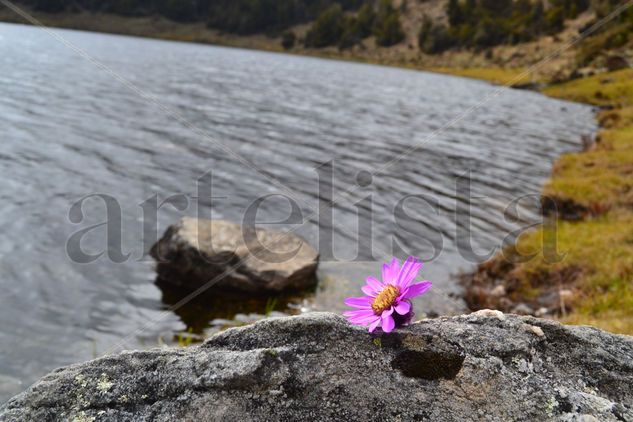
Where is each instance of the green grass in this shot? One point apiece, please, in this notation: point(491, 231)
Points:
point(601, 178)
point(600, 248)
point(185, 339)
point(271, 304)
point(596, 265)
point(600, 251)
point(607, 89)
point(597, 180)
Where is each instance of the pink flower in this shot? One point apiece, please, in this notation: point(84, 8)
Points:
point(387, 304)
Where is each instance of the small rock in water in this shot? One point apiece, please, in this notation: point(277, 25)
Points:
point(195, 252)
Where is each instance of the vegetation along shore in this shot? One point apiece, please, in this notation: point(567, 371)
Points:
point(593, 190)
point(491, 40)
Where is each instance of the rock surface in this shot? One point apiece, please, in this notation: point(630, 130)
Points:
point(483, 366)
point(195, 251)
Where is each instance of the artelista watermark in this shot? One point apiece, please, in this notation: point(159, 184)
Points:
point(410, 216)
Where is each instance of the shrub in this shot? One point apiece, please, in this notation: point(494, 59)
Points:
point(390, 31)
point(51, 6)
point(434, 39)
point(488, 33)
point(327, 29)
point(554, 20)
point(387, 27)
point(352, 33)
point(257, 16)
point(333, 27)
point(486, 23)
point(365, 20)
point(288, 40)
point(179, 10)
point(455, 13)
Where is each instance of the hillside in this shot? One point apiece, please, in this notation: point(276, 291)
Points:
point(432, 34)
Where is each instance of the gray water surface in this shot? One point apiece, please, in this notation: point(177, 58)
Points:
point(69, 128)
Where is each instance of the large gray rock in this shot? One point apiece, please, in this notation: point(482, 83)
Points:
point(484, 366)
point(195, 252)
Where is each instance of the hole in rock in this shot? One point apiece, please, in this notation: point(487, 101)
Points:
point(428, 365)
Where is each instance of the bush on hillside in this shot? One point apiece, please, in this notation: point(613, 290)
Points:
point(50, 6)
point(178, 10)
point(387, 27)
point(434, 38)
point(486, 23)
point(327, 29)
point(288, 40)
point(335, 27)
point(365, 20)
point(236, 16)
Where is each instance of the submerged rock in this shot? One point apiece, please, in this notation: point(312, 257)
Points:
point(194, 252)
point(483, 366)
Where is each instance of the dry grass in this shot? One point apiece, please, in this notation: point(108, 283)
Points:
point(597, 180)
point(495, 75)
point(595, 271)
point(601, 179)
point(601, 249)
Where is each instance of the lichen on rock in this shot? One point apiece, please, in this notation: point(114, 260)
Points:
point(483, 366)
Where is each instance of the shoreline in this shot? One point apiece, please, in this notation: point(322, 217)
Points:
point(594, 212)
point(198, 33)
point(588, 200)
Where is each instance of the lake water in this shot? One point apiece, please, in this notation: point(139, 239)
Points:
point(152, 122)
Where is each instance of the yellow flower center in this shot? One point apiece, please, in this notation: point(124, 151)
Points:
point(385, 299)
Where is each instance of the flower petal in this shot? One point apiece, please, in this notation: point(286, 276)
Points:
point(358, 312)
point(363, 320)
point(374, 325)
point(388, 324)
point(361, 317)
point(409, 271)
point(406, 266)
point(373, 287)
point(417, 289)
point(359, 302)
point(403, 308)
point(374, 284)
point(368, 291)
point(390, 272)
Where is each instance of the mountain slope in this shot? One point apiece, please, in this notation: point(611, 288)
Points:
point(390, 34)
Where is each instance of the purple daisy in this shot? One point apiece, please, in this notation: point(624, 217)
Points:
point(388, 303)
